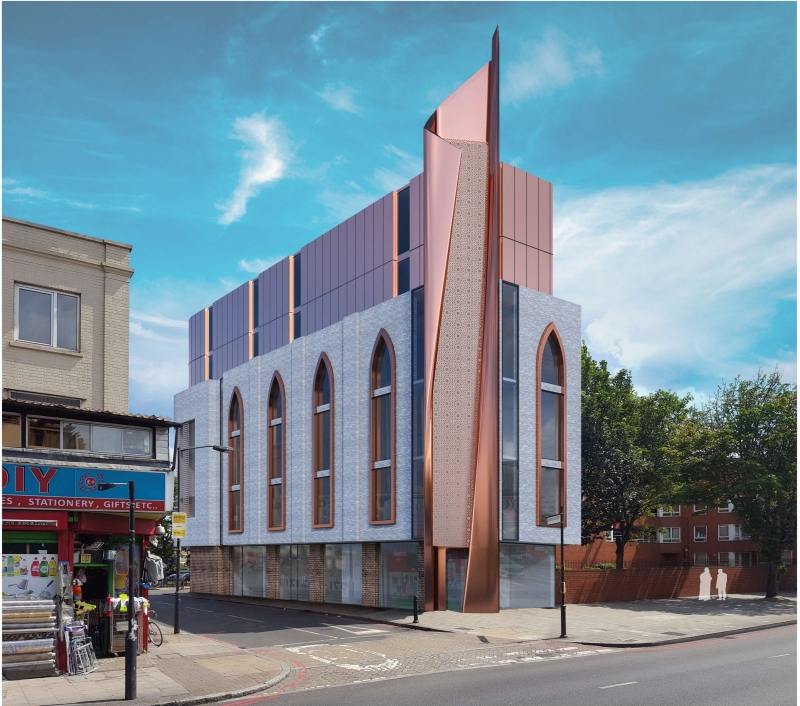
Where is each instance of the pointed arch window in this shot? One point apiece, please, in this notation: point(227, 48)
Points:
point(551, 426)
point(276, 456)
point(382, 432)
point(235, 462)
point(323, 445)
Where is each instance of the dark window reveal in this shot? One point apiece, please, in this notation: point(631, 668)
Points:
point(403, 276)
point(297, 280)
point(403, 221)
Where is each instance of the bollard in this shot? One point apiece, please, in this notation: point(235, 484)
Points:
point(416, 615)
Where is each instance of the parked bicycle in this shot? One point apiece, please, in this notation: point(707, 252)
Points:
point(154, 633)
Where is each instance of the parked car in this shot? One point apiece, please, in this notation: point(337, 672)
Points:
point(170, 578)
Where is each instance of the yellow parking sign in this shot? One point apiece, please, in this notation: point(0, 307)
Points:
point(178, 518)
point(179, 531)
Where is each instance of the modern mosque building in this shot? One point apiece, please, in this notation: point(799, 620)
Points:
point(402, 396)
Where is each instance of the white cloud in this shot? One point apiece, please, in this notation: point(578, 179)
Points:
point(264, 160)
point(340, 97)
point(137, 329)
point(159, 320)
point(257, 265)
point(677, 281)
point(26, 191)
point(405, 168)
point(317, 35)
point(554, 62)
point(7, 182)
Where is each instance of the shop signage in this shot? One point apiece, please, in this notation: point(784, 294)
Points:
point(30, 523)
point(45, 487)
point(29, 575)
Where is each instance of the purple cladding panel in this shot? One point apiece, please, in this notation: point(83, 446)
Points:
point(369, 237)
point(350, 225)
point(309, 272)
point(520, 213)
point(326, 263)
point(545, 272)
point(360, 294)
point(335, 317)
point(520, 264)
point(415, 206)
point(545, 217)
point(388, 227)
point(303, 274)
point(334, 258)
point(377, 287)
point(369, 289)
point(507, 255)
point(342, 254)
point(532, 197)
point(319, 266)
point(360, 244)
point(342, 294)
point(326, 310)
point(377, 255)
point(388, 281)
point(532, 256)
point(507, 230)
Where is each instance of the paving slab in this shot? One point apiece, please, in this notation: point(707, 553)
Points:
point(186, 669)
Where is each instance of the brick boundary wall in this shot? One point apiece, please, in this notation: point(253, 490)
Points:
point(370, 574)
point(609, 585)
point(212, 570)
point(316, 573)
point(273, 571)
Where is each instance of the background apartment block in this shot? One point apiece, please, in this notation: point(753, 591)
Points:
point(83, 362)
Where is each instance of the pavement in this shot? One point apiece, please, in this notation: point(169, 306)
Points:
point(186, 668)
point(233, 644)
point(623, 624)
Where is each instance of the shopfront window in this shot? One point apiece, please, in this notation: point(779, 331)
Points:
point(527, 576)
point(399, 574)
point(45, 433)
point(294, 565)
point(343, 573)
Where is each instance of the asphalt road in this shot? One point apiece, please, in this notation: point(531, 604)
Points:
point(250, 626)
point(752, 669)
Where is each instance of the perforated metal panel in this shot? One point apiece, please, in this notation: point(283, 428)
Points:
point(456, 385)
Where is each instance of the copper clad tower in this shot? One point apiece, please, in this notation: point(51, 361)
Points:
point(462, 222)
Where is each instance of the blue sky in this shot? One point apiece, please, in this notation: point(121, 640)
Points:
point(217, 137)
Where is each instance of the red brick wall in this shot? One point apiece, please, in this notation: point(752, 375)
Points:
point(608, 585)
point(316, 573)
point(212, 570)
point(273, 571)
point(370, 574)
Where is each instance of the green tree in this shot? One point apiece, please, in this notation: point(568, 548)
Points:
point(165, 548)
point(742, 447)
point(626, 467)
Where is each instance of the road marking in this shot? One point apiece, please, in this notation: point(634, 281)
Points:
point(614, 686)
point(239, 617)
point(776, 656)
point(356, 631)
point(327, 637)
point(202, 610)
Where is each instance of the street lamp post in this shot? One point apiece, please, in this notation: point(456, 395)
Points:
point(563, 580)
point(176, 624)
point(130, 639)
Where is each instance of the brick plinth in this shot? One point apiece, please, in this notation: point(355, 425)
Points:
point(370, 574)
point(212, 570)
point(272, 570)
point(316, 573)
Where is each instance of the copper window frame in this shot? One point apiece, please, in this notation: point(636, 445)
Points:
point(384, 337)
point(551, 329)
point(237, 395)
point(323, 360)
point(276, 380)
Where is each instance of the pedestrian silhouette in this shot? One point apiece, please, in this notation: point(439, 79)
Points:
point(722, 585)
point(705, 585)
